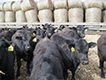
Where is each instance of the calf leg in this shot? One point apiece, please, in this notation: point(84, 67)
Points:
point(65, 74)
point(73, 75)
point(102, 71)
point(18, 65)
point(28, 66)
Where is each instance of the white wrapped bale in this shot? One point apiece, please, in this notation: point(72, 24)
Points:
point(74, 4)
point(2, 16)
point(93, 4)
point(16, 6)
point(104, 16)
point(28, 5)
point(45, 15)
point(44, 4)
point(60, 15)
point(59, 4)
point(9, 16)
point(20, 16)
point(8, 6)
point(75, 15)
point(93, 15)
point(31, 16)
point(104, 4)
point(2, 6)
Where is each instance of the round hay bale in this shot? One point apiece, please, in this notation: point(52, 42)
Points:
point(74, 4)
point(20, 16)
point(60, 15)
point(104, 4)
point(104, 16)
point(45, 15)
point(60, 4)
point(28, 5)
point(16, 6)
point(93, 4)
point(44, 4)
point(2, 18)
point(75, 15)
point(9, 16)
point(2, 6)
point(93, 15)
point(8, 6)
point(31, 16)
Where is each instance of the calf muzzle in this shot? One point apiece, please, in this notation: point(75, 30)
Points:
point(85, 62)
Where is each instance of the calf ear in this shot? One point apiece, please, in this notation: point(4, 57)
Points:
point(92, 44)
point(7, 42)
point(71, 42)
point(43, 25)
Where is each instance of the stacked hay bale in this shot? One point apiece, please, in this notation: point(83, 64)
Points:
point(9, 14)
point(19, 14)
point(104, 12)
point(60, 12)
point(30, 9)
point(45, 8)
point(93, 10)
point(2, 13)
point(75, 12)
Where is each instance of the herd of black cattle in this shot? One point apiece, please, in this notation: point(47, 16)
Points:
point(51, 50)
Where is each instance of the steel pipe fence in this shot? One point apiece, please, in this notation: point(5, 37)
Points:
point(91, 25)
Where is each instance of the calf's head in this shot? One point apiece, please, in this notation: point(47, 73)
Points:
point(80, 29)
point(24, 42)
point(50, 31)
point(81, 50)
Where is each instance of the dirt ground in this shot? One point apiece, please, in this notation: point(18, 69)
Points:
point(84, 72)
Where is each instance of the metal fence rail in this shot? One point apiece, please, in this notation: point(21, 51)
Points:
point(91, 25)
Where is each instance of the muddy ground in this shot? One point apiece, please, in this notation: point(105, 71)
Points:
point(84, 72)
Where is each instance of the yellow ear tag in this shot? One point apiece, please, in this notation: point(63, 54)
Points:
point(9, 29)
point(61, 26)
point(34, 34)
point(34, 40)
point(55, 30)
point(2, 72)
point(10, 48)
point(72, 49)
point(85, 29)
